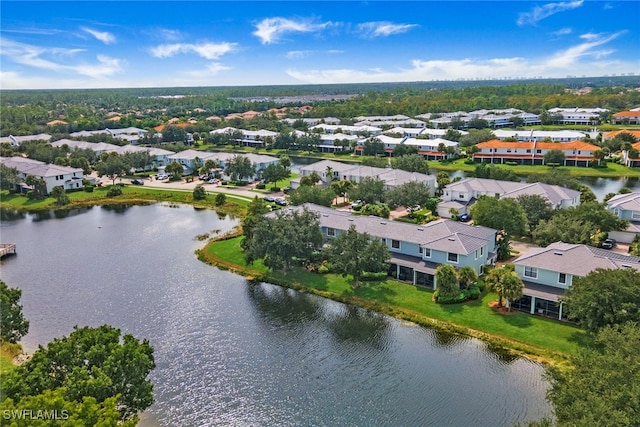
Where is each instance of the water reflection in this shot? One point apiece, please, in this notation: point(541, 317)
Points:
point(443, 339)
point(357, 325)
point(116, 208)
point(11, 215)
point(282, 305)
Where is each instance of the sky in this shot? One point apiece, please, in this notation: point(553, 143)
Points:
point(112, 44)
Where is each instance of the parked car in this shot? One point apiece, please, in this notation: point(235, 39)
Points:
point(269, 199)
point(609, 244)
point(356, 204)
point(214, 181)
point(137, 181)
point(280, 201)
point(161, 177)
point(287, 190)
point(464, 217)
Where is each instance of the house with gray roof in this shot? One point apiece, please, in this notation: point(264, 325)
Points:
point(462, 194)
point(548, 272)
point(330, 170)
point(626, 206)
point(416, 250)
point(17, 140)
point(190, 159)
point(53, 175)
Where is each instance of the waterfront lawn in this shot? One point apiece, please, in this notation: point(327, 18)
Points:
point(516, 330)
point(130, 195)
point(7, 353)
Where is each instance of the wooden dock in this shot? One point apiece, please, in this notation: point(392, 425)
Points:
point(7, 249)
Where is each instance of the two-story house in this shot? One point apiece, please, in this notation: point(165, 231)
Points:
point(53, 175)
point(548, 272)
point(577, 153)
point(460, 195)
point(626, 206)
point(417, 250)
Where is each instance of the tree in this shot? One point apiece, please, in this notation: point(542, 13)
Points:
point(13, 325)
point(505, 282)
point(90, 362)
point(310, 180)
point(369, 190)
point(372, 147)
point(311, 194)
point(285, 161)
point(175, 169)
point(411, 163)
point(536, 209)
point(239, 168)
point(502, 214)
point(274, 173)
point(220, 199)
point(341, 188)
point(289, 236)
point(8, 178)
point(554, 156)
point(442, 180)
point(447, 281)
point(111, 165)
point(403, 150)
point(603, 385)
point(354, 253)
point(466, 276)
point(138, 160)
point(60, 195)
point(408, 194)
point(38, 185)
point(604, 297)
point(199, 192)
point(563, 228)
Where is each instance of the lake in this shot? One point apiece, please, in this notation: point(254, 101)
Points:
point(232, 352)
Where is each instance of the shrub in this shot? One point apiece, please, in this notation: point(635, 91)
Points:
point(357, 208)
point(469, 162)
point(450, 299)
point(114, 190)
point(323, 269)
point(261, 186)
point(275, 189)
point(220, 199)
point(374, 277)
point(473, 292)
point(199, 193)
point(224, 182)
point(512, 163)
point(88, 188)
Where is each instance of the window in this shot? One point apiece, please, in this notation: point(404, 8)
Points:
point(395, 244)
point(634, 215)
point(419, 249)
point(331, 231)
point(562, 278)
point(384, 241)
point(427, 252)
point(451, 257)
point(481, 250)
point(538, 151)
point(528, 150)
point(531, 272)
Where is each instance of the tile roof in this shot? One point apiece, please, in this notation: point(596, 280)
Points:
point(571, 145)
point(628, 202)
point(37, 168)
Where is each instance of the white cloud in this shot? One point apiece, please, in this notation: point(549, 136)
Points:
point(299, 54)
point(103, 36)
point(211, 69)
point(210, 51)
point(383, 29)
point(562, 32)
point(53, 59)
point(541, 12)
point(582, 59)
point(568, 57)
point(271, 30)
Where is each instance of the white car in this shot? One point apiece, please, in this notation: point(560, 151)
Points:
point(161, 177)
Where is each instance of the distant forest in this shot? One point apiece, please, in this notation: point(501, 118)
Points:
point(26, 111)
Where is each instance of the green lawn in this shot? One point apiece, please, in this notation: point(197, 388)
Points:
point(131, 195)
point(525, 333)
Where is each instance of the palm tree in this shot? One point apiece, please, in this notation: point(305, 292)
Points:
point(447, 281)
point(466, 276)
point(505, 282)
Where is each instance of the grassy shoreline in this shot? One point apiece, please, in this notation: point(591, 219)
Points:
point(535, 338)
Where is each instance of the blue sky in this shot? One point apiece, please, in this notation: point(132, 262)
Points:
point(109, 44)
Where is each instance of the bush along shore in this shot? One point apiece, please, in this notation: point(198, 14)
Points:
point(515, 333)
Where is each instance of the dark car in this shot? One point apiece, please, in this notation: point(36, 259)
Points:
point(608, 244)
point(280, 201)
point(269, 199)
point(464, 217)
point(287, 190)
point(137, 181)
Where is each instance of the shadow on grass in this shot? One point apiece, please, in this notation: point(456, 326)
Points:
point(581, 338)
point(376, 291)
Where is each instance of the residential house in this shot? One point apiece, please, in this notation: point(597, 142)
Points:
point(578, 116)
point(191, 159)
point(577, 153)
point(159, 156)
point(53, 175)
point(416, 250)
point(17, 140)
point(548, 272)
point(459, 196)
point(631, 117)
point(428, 148)
point(627, 207)
point(349, 130)
point(632, 162)
point(131, 134)
point(329, 170)
point(539, 135)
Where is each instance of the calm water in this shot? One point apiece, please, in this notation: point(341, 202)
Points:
point(230, 352)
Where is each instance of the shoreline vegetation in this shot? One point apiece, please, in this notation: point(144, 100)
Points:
point(538, 339)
